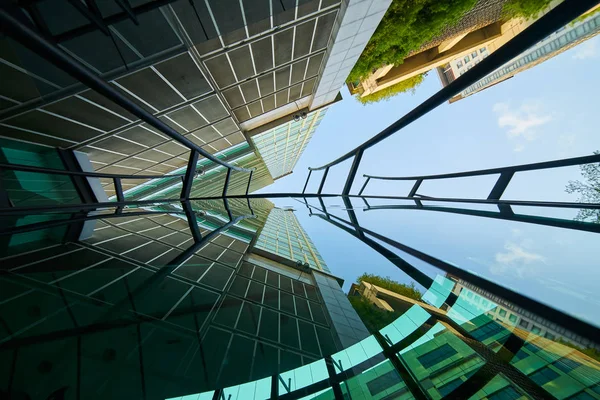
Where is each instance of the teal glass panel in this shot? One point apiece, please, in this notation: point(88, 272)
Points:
point(197, 396)
point(355, 354)
point(255, 390)
point(406, 324)
point(439, 291)
point(302, 376)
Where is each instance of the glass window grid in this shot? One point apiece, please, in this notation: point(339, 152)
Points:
point(248, 314)
point(437, 355)
point(302, 293)
point(544, 375)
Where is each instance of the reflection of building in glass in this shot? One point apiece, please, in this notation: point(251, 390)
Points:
point(443, 362)
point(282, 146)
point(283, 235)
point(512, 315)
point(212, 180)
point(480, 31)
point(127, 294)
point(566, 38)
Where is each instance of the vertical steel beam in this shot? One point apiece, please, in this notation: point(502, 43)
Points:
point(323, 180)
point(192, 222)
point(307, 179)
point(414, 189)
point(501, 185)
point(119, 189)
point(333, 382)
point(364, 186)
point(226, 185)
point(352, 173)
point(186, 188)
point(249, 181)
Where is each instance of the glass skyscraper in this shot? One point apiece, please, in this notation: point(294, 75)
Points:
point(283, 235)
point(282, 146)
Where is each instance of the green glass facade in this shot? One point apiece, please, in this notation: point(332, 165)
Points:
point(282, 146)
point(444, 354)
point(283, 235)
point(211, 182)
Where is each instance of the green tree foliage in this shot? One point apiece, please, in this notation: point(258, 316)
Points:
point(589, 191)
point(409, 291)
point(407, 85)
point(406, 26)
point(524, 8)
point(373, 317)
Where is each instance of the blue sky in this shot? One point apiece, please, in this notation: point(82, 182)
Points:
point(545, 113)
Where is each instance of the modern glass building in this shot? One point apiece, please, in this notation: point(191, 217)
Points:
point(223, 313)
point(281, 147)
point(161, 292)
point(283, 235)
point(211, 70)
point(508, 313)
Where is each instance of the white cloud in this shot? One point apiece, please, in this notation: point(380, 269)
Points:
point(517, 258)
point(516, 254)
point(586, 50)
point(521, 122)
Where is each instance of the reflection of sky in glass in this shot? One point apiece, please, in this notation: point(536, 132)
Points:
point(549, 264)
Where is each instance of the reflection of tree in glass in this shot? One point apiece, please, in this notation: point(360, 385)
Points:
point(589, 191)
point(372, 316)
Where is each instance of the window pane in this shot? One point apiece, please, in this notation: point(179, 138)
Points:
point(288, 331)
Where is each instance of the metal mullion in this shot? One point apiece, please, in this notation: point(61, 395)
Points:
point(192, 222)
point(364, 186)
point(306, 184)
point(273, 70)
point(295, 22)
point(78, 88)
point(38, 44)
point(352, 172)
point(323, 181)
point(118, 189)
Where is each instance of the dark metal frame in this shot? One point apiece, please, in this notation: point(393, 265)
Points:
point(39, 42)
point(506, 174)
